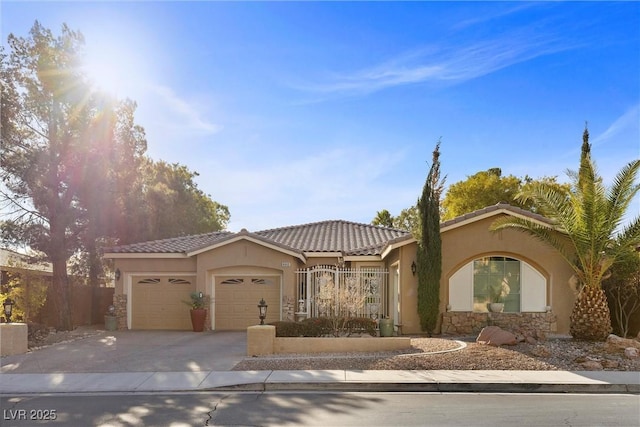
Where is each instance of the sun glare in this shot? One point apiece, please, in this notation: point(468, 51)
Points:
point(112, 67)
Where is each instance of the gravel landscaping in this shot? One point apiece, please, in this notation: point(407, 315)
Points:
point(442, 353)
point(432, 354)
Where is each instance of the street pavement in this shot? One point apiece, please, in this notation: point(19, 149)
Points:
point(154, 361)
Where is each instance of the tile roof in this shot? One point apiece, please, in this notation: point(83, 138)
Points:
point(495, 209)
point(172, 245)
point(350, 238)
point(335, 236)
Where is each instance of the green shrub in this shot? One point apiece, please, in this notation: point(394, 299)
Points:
point(324, 327)
point(361, 325)
point(317, 327)
point(288, 329)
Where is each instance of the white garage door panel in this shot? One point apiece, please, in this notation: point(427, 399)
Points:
point(237, 301)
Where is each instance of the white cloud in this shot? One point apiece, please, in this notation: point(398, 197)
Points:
point(444, 64)
point(629, 121)
point(483, 19)
point(181, 115)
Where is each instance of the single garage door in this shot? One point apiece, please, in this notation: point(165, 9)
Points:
point(157, 302)
point(237, 300)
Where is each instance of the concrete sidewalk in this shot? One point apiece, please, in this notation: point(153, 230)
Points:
point(156, 361)
point(338, 380)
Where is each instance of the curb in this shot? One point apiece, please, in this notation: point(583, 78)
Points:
point(436, 387)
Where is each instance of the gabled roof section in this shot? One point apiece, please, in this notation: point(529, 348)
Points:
point(180, 245)
point(344, 237)
point(498, 209)
point(350, 238)
point(251, 237)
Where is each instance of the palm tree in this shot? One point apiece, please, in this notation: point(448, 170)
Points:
point(383, 218)
point(588, 233)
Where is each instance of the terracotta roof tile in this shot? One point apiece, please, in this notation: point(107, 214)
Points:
point(496, 207)
point(350, 238)
point(335, 236)
point(172, 245)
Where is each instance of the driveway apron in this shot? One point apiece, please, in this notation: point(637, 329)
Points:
point(135, 351)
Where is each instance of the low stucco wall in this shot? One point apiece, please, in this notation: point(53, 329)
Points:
point(339, 345)
point(13, 338)
point(262, 340)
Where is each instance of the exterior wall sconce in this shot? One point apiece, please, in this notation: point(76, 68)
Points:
point(414, 267)
point(8, 309)
point(118, 273)
point(262, 307)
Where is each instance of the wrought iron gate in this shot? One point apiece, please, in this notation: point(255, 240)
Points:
point(329, 290)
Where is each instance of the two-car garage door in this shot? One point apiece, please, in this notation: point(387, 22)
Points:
point(158, 302)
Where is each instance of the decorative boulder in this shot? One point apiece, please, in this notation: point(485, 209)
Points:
point(540, 351)
point(631, 353)
point(496, 336)
point(615, 344)
point(610, 364)
point(592, 365)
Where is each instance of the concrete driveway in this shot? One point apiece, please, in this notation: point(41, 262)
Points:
point(135, 351)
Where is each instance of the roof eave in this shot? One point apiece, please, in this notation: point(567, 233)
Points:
point(492, 213)
point(130, 255)
point(395, 244)
point(320, 254)
point(362, 258)
point(243, 235)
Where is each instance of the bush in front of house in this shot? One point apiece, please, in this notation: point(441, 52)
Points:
point(317, 327)
point(361, 325)
point(288, 329)
point(323, 327)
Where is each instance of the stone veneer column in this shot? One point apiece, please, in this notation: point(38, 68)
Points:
point(120, 303)
point(288, 309)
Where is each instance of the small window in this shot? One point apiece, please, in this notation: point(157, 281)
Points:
point(149, 281)
point(232, 282)
point(261, 282)
point(179, 282)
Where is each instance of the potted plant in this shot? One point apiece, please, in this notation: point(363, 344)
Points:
point(497, 294)
point(198, 306)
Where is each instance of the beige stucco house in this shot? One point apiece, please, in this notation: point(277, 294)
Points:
point(288, 266)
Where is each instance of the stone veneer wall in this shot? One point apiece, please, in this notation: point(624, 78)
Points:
point(288, 309)
point(120, 303)
point(468, 323)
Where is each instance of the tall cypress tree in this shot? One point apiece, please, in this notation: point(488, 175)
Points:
point(430, 247)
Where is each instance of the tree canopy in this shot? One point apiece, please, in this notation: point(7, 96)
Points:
point(170, 204)
point(482, 189)
point(383, 218)
point(487, 188)
point(429, 254)
point(74, 174)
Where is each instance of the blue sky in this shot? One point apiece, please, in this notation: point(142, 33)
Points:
point(301, 112)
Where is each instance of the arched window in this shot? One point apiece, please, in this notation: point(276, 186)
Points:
point(496, 279)
point(521, 287)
